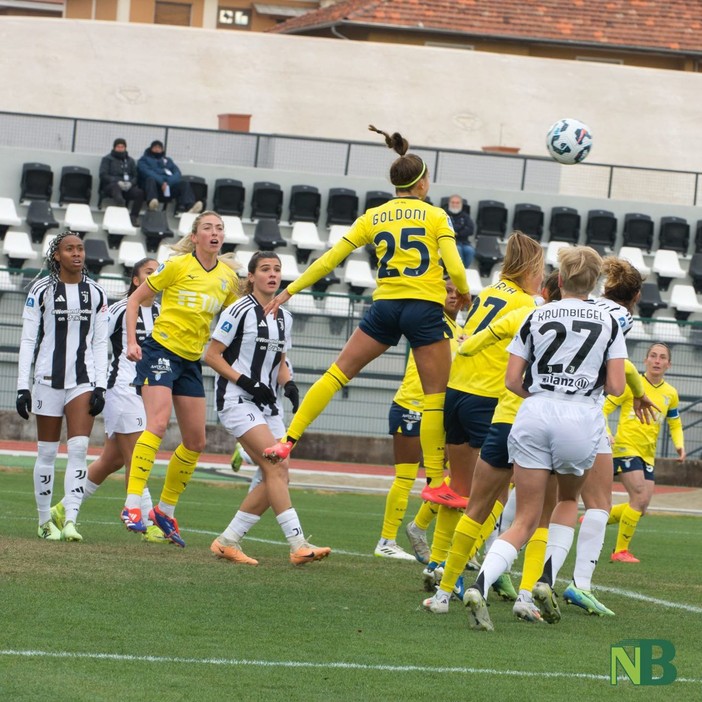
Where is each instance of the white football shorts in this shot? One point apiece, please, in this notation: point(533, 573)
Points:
point(124, 411)
point(50, 402)
point(560, 434)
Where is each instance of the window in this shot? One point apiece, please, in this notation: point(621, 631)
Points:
point(233, 18)
point(172, 13)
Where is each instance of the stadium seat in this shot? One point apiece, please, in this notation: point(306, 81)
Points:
point(17, 246)
point(650, 300)
point(37, 182)
point(266, 201)
point(229, 197)
point(683, 301)
point(336, 232)
point(358, 276)
point(288, 268)
point(46, 242)
point(154, 226)
point(303, 306)
point(695, 271)
point(443, 203)
point(164, 252)
point(529, 219)
point(323, 284)
point(475, 285)
point(96, 255)
point(117, 224)
point(8, 215)
point(491, 219)
point(306, 238)
point(638, 231)
point(338, 309)
point(342, 206)
point(634, 255)
point(551, 257)
point(40, 218)
point(305, 202)
point(667, 266)
point(79, 219)
point(114, 286)
point(199, 187)
point(698, 236)
point(244, 257)
point(601, 229)
point(564, 225)
point(75, 186)
point(267, 235)
point(375, 198)
point(185, 223)
point(487, 254)
point(674, 234)
point(129, 253)
point(234, 234)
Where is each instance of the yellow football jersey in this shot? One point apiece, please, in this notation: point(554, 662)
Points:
point(634, 438)
point(410, 394)
point(410, 236)
point(192, 296)
point(484, 373)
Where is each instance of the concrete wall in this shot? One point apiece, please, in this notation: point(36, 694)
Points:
point(334, 88)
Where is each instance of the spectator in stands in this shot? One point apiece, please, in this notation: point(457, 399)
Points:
point(463, 226)
point(161, 180)
point(118, 179)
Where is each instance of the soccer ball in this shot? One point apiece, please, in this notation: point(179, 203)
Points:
point(569, 141)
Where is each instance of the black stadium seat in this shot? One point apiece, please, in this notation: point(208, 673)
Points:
point(529, 219)
point(96, 255)
point(76, 185)
point(305, 202)
point(342, 206)
point(266, 201)
point(650, 300)
point(37, 181)
point(564, 225)
point(375, 198)
point(154, 225)
point(199, 187)
point(492, 218)
point(229, 197)
point(267, 235)
point(601, 228)
point(638, 231)
point(487, 254)
point(40, 218)
point(674, 234)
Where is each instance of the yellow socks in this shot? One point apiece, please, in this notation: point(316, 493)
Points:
point(143, 458)
point(627, 527)
point(465, 535)
point(446, 521)
point(180, 469)
point(315, 401)
point(426, 514)
point(534, 557)
point(432, 435)
point(487, 528)
point(615, 514)
point(397, 499)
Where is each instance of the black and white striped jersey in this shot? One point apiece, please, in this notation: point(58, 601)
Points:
point(255, 344)
point(122, 370)
point(620, 313)
point(566, 345)
point(65, 333)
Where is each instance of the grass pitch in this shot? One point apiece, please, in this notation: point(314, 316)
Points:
point(114, 618)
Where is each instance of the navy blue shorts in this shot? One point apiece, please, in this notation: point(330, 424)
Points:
point(420, 322)
point(404, 421)
point(628, 464)
point(494, 450)
point(159, 366)
point(467, 418)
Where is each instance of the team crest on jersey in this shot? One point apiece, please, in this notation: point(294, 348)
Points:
point(160, 268)
point(85, 295)
point(223, 283)
point(163, 365)
point(281, 324)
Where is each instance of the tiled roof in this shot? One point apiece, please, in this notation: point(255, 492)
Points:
point(669, 25)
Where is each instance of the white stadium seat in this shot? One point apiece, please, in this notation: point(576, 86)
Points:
point(475, 285)
point(79, 218)
point(17, 246)
point(358, 274)
point(185, 223)
point(116, 221)
point(305, 236)
point(635, 257)
point(552, 252)
point(234, 231)
point(288, 267)
point(164, 252)
point(48, 238)
point(667, 264)
point(683, 299)
point(8, 213)
point(244, 257)
point(130, 252)
point(336, 232)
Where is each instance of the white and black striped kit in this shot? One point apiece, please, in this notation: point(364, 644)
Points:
point(255, 344)
point(122, 370)
point(65, 334)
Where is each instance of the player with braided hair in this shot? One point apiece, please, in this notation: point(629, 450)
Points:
point(64, 332)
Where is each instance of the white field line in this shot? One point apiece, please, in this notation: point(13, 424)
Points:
point(339, 665)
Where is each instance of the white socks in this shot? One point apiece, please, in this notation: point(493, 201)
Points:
point(590, 541)
point(498, 560)
point(76, 474)
point(44, 468)
point(292, 529)
point(560, 539)
point(239, 526)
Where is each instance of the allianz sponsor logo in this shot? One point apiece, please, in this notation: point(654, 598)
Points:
point(579, 383)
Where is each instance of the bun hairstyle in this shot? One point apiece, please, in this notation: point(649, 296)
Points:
point(407, 170)
point(622, 281)
point(580, 267)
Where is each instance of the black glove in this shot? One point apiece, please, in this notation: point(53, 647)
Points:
point(24, 403)
point(97, 402)
point(261, 394)
point(291, 391)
